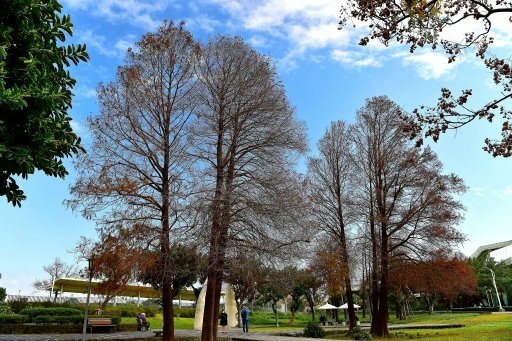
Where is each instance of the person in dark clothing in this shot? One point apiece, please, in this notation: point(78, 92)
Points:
point(323, 319)
point(223, 321)
point(142, 322)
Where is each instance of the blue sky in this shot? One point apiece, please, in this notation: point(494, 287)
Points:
point(327, 77)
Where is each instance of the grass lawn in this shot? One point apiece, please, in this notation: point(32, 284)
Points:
point(156, 322)
point(476, 327)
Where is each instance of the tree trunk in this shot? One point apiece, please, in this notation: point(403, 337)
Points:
point(167, 297)
point(382, 316)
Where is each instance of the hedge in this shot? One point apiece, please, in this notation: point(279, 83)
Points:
point(71, 319)
point(12, 318)
point(33, 312)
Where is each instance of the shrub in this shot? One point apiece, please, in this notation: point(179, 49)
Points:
point(361, 334)
point(72, 319)
point(314, 330)
point(185, 312)
point(13, 319)
point(19, 305)
point(130, 310)
point(33, 312)
point(5, 309)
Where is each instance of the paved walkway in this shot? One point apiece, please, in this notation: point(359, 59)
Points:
point(233, 334)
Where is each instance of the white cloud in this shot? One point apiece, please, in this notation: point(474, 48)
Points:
point(477, 191)
point(428, 65)
point(258, 41)
point(123, 44)
point(98, 42)
point(354, 59)
point(82, 91)
point(202, 22)
point(304, 25)
point(139, 13)
point(507, 191)
point(101, 44)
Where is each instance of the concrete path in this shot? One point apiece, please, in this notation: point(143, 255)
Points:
point(233, 334)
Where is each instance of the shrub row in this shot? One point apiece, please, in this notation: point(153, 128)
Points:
point(185, 312)
point(33, 312)
point(129, 310)
point(13, 319)
point(71, 319)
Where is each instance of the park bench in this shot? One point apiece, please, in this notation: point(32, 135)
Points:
point(100, 322)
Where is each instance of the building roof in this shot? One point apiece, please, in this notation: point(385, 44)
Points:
point(487, 249)
point(80, 286)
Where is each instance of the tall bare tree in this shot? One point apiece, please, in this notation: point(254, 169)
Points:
point(410, 207)
point(245, 136)
point(331, 186)
point(136, 170)
point(55, 270)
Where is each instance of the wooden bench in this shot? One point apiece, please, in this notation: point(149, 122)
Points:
point(101, 322)
point(158, 332)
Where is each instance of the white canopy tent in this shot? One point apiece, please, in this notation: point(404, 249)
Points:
point(345, 306)
point(327, 306)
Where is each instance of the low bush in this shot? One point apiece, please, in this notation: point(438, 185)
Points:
point(12, 319)
point(19, 305)
point(314, 330)
point(361, 334)
point(71, 319)
point(185, 312)
point(5, 309)
point(33, 312)
point(130, 310)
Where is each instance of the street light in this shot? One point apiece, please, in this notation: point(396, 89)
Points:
point(84, 329)
point(495, 288)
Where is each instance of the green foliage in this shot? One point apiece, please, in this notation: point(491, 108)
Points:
point(361, 334)
point(3, 294)
point(4, 308)
point(18, 305)
point(71, 319)
point(183, 259)
point(314, 330)
point(31, 313)
point(35, 92)
point(129, 310)
point(185, 312)
point(13, 318)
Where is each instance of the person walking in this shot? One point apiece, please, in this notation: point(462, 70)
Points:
point(245, 319)
point(223, 321)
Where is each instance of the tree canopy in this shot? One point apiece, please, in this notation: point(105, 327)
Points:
point(436, 24)
point(35, 92)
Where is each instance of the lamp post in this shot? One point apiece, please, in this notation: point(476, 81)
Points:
point(495, 288)
point(84, 329)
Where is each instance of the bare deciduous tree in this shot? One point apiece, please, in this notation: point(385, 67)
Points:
point(55, 270)
point(331, 184)
point(137, 168)
point(410, 209)
point(245, 137)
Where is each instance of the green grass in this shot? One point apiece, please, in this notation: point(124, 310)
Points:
point(476, 326)
point(156, 322)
